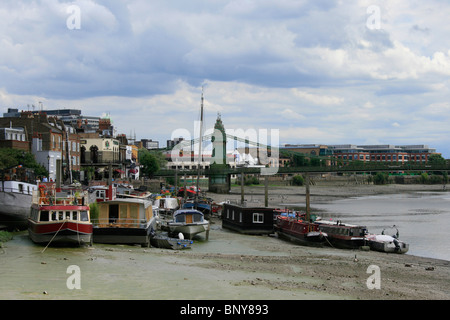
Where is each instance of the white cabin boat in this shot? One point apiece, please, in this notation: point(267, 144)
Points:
point(189, 222)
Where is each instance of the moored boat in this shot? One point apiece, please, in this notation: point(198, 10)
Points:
point(189, 222)
point(125, 221)
point(386, 243)
point(165, 242)
point(343, 235)
point(60, 216)
point(15, 203)
point(298, 230)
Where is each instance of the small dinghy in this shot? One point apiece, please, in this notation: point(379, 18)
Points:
point(163, 241)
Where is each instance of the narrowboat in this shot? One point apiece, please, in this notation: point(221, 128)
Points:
point(248, 220)
point(60, 216)
point(343, 235)
point(189, 222)
point(296, 229)
point(125, 221)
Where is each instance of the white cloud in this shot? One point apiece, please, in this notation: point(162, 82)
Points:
point(310, 68)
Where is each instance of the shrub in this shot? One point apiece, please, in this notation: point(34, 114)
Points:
point(298, 180)
point(380, 178)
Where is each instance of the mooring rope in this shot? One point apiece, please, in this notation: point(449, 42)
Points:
point(53, 237)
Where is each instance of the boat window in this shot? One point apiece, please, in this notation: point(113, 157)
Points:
point(54, 216)
point(60, 215)
point(123, 212)
point(180, 218)
point(75, 215)
point(20, 187)
point(240, 216)
point(258, 217)
point(134, 213)
point(198, 218)
point(84, 216)
point(44, 216)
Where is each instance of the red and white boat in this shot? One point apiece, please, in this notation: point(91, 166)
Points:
point(60, 216)
point(293, 226)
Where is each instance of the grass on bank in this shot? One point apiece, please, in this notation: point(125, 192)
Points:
point(5, 236)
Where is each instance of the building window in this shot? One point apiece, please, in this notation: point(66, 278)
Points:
point(258, 217)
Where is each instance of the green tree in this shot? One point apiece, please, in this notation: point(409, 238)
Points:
point(13, 157)
point(436, 159)
point(151, 161)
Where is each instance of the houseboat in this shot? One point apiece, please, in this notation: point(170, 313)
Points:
point(60, 216)
point(125, 221)
point(343, 235)
point(248, 220)
point(189, 222)
point(294, 227)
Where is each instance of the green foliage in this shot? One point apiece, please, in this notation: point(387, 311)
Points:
point(94, 211)
point(151, 161)
point(424, 178)
point(251, 180)
point(12, 157)
point(380, 178)
point(4, 237)
point(436, 159)
point(298, 180)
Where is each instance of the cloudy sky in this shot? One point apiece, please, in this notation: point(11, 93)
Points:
point(319, 71)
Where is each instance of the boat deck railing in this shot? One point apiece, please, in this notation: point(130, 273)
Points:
point(118, 223)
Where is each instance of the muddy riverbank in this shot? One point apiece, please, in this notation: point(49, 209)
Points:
point(229, 266)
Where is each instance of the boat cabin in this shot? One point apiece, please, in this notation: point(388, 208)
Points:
point(104, 193)
point(188, 216)
point(248, 220)
point(124, 213)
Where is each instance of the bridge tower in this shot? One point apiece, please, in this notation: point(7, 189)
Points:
point(219, 182)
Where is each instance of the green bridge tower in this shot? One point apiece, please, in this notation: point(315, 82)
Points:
point(219, 182)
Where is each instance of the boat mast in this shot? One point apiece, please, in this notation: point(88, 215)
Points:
point(199, 149)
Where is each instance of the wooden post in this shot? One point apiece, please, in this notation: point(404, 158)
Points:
point(307, 197)
point(242, 187)
point(266, 193)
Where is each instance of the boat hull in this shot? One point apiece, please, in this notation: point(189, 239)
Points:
point(385, 243)
point(188, 230)
point(166, 242)
point(60, 233)
point(124, 235)
point(14, 210)
point(300, 232)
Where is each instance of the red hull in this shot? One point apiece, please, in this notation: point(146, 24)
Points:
point(299, 230)
point(60, 232)
point(60, 226)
